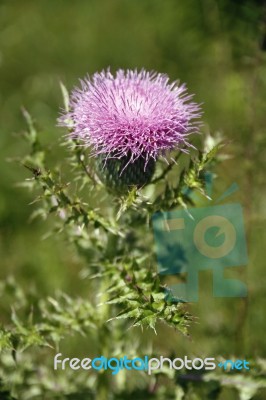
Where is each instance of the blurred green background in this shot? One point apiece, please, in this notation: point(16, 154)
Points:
point(218, 48)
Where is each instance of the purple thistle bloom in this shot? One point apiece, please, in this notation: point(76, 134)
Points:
point(132, 114)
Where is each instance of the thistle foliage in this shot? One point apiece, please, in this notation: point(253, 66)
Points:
point(112, 237)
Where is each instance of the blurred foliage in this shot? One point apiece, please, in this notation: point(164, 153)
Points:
point(218, 48)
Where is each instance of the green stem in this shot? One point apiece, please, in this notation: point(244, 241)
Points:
point(167, 169)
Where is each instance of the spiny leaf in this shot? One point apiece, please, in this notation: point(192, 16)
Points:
point(65, 95)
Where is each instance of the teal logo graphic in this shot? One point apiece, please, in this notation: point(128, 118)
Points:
point(197, 239)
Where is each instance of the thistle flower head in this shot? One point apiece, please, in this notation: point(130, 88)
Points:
point(131, 114)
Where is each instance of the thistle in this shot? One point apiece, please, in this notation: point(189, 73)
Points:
point(128, 120)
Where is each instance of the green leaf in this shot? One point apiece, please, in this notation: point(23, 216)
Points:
point(65, 95)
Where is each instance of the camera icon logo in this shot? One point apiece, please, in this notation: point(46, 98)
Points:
point(207, 238)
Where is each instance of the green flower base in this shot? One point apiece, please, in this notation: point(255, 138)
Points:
point(118, 177)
